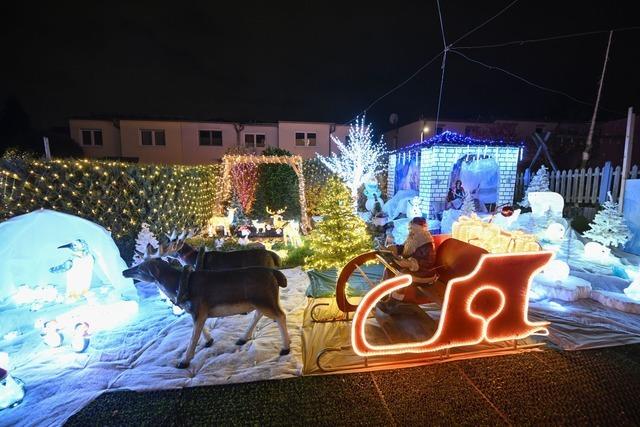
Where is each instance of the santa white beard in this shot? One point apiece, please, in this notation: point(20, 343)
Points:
point(415, 239)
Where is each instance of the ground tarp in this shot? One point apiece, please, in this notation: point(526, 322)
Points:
point(142, 355)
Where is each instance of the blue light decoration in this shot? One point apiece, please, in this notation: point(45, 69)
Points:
point(452, 138)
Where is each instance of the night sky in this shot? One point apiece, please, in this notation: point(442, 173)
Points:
point(313, 61)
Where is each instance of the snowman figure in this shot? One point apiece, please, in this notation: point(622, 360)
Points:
point(372, 193)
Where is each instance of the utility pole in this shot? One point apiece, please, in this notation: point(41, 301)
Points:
point(587, 148)
point(626, 160)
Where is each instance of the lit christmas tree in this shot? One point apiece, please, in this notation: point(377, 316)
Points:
point(341, 235)
point(539, 182)
point(360, 158)
point(468, 205)
point(608, 227)
point(145, 237)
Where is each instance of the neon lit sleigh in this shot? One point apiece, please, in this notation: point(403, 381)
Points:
point(483, 296)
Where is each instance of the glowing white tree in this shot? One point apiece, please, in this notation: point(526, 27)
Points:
point(539, 182)
point(360, 158)
point(608, 227)
point(145, 237)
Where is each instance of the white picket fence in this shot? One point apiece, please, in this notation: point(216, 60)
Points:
point(581, 186)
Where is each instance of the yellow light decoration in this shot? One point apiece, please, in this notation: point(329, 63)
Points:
point(491, 237)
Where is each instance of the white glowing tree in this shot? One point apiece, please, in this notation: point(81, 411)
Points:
point(608, 227)
point(360, 157)
point(539, 182)
point(145, 237)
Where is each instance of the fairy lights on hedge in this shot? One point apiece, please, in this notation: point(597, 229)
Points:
point(121, 196)
point(117, 195)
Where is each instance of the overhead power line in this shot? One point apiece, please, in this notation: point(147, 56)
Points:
point(544, 39)
point(516, 76)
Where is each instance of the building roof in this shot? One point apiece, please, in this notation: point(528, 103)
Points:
point(452, 138)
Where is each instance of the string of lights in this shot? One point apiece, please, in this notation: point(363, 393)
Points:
point(452, 138)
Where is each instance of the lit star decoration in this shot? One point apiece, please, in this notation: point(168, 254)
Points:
point(489, 304)
point(360, 158)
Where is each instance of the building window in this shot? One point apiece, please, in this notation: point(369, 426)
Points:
point(91, 137)
point(307, 139)
point(254, 140)
point(152, 137)
point(211, 137)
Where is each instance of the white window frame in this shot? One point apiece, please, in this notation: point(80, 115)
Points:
point(210, 130)
point(93, 137)
point(306, 139)
point(255, 134)
point(153, 137)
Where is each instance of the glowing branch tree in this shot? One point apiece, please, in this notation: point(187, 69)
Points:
point(360, 157)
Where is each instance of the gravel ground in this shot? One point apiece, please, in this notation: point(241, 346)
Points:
point(594, 387)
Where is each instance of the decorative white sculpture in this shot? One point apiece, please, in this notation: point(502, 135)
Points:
point(595, 252)
point(633, 290)
point(556, 271)
point(554, 232)
point(413, 207)
point(259, 225)
point(543, 201)
point(291, 234)
point(78, 268)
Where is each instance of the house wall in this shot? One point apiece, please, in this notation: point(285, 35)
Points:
point(193, 153)
point(110, 137)
point(171, 153)
point(183, 140)
point(324, 146)
point(271, 132)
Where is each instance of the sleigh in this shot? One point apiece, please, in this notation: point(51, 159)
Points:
point(483, 301)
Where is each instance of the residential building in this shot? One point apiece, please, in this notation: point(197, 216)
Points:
point(196, 142)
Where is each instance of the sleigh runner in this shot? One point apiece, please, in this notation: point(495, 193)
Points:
point(483, 301)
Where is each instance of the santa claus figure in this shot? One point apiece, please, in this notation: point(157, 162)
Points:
point(415, 257)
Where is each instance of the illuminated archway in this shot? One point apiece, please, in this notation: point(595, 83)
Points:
point(295, 162)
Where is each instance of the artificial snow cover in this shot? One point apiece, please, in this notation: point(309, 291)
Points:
point(30, 247)
point(142, 355)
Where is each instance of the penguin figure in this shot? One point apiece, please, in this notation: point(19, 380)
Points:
point(79, 268)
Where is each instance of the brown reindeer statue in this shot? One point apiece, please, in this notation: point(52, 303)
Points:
point(216, 260)
point(205, 293)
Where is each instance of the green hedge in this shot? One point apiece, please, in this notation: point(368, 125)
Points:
point(119, 196)
point(277, 188)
